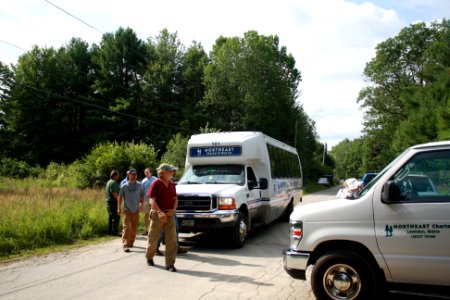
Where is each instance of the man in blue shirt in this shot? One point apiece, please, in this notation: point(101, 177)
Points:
point(132, 197)
point(125, 180)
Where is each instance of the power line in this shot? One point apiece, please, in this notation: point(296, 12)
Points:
point(76, 18)
point(99, 107)
point(130, 49)
point(12, 45)
point(94, 76)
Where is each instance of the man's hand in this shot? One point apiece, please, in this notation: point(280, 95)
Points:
point(169, 212)
point(162, 216)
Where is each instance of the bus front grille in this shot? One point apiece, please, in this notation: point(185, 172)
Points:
point(196, 203)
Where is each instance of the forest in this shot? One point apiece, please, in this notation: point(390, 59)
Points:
point(59, 105)
point(406, 102)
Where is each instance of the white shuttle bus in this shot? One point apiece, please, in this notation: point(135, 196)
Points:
point(236, 181)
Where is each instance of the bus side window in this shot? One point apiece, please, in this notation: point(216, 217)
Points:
point(251, 178)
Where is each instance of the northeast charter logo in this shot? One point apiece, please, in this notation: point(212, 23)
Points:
point(417, 231)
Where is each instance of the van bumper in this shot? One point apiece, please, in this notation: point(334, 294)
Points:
point(207, 221)
point(295, 263)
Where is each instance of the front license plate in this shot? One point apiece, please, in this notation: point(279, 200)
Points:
point(187, 223)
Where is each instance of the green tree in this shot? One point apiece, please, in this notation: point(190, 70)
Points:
point(194, 63)
point(120, 62)
point(251, 82)
point(6, 78)
point(176, 152)
point(407, 102)
point(43, 112)
point(163, 88)
point(347, 156)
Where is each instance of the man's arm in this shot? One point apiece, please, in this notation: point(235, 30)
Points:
point(141, 203)
point(175, 205)
point(116, 196)
point(119, 206)
point(161, 215)
point(153, 204)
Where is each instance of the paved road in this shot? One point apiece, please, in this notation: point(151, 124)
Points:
point(210, 270)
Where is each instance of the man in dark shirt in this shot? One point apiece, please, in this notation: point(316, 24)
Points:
point(112, 198)
point(163, 201)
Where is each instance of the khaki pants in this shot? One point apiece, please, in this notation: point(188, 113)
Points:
point(129, 229)
point(155, 228)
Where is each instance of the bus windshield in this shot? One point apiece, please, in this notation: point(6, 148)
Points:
point(214, 174)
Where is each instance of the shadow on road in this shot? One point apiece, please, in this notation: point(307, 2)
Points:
point(264, 241)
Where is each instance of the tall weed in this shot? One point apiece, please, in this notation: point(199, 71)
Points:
point(37, 215)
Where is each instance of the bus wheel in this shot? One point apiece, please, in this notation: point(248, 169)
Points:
point(239, 231)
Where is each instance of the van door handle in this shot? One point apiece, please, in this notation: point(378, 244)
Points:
point(248, 195)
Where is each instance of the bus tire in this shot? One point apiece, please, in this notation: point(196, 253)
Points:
point(239, 231)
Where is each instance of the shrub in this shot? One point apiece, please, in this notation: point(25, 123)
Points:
point(176, 152)
point(95, 168)
point(13, 168)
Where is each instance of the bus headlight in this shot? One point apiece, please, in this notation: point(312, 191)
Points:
point(295, 233)
point(226, 203)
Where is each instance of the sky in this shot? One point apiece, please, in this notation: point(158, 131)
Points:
point(330, 40)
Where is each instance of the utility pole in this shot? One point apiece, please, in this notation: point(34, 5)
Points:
point(324, 152)
point(295, 134)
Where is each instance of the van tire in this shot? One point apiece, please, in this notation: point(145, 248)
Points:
point(343, 274)
point(239, 231)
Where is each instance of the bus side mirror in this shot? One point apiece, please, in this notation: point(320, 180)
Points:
point(263, 183)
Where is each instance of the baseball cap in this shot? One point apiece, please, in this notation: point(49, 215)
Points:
point(166, 167)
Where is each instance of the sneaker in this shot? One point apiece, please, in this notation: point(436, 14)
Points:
point(171, 268)
point(159, 253)
point(150, 262)
point(182, 250)
point(126, 249)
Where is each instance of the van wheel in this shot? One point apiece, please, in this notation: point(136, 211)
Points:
point(343, 275)
point(239, 231)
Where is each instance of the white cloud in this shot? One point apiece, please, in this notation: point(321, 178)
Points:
point(331, 40)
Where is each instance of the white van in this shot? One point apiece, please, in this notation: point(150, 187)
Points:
point(395, 235)
point(236, 181)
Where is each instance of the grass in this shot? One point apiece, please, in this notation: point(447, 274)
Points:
point(39, 218)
